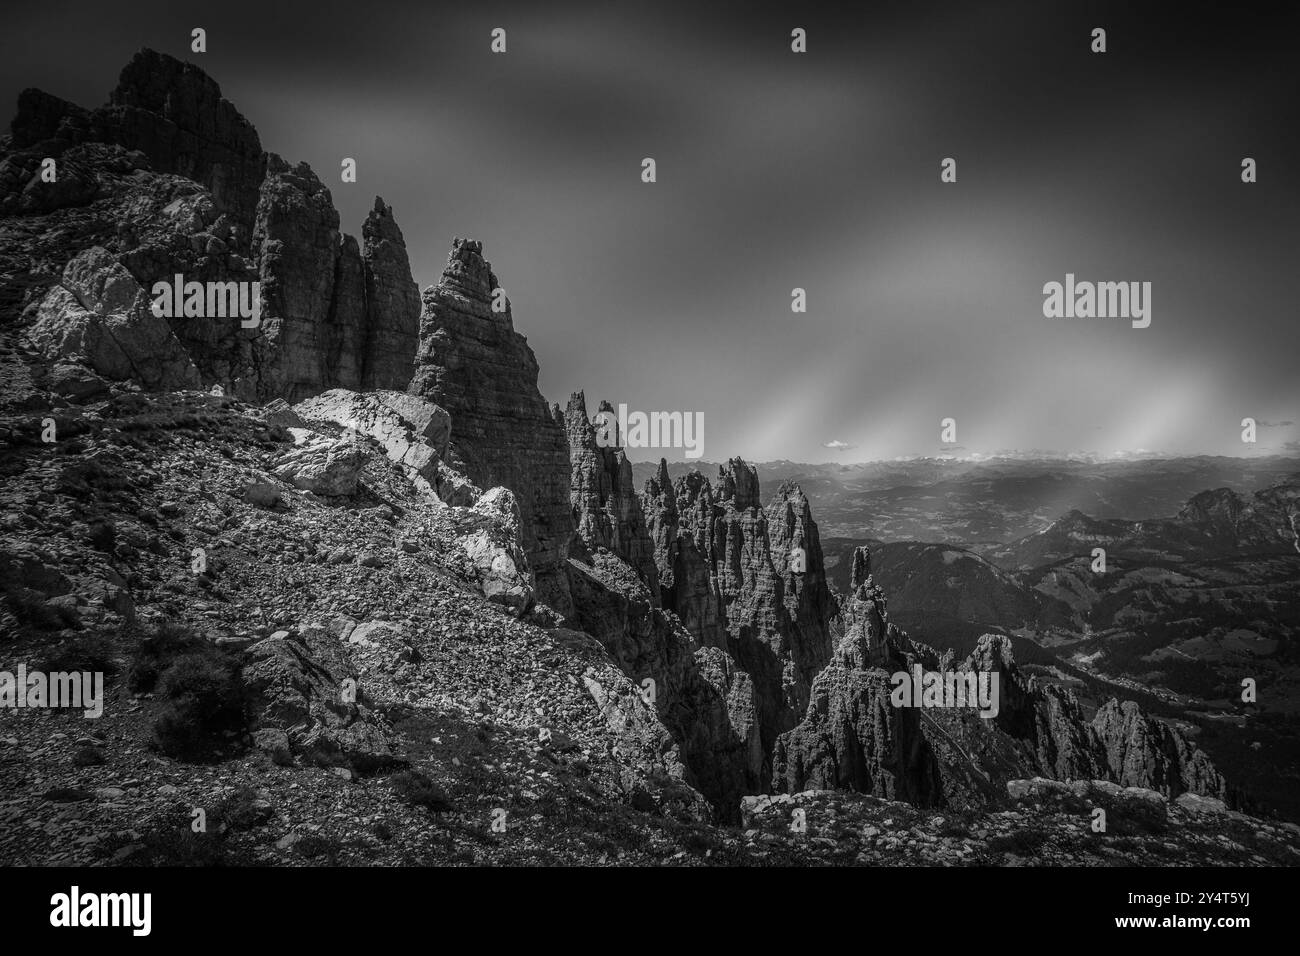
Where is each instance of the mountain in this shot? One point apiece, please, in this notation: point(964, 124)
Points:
point(169, 178)
point(357, 588)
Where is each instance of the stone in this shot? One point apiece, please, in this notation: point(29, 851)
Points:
point(323, 466)
point(296, 686)
point(99, 316)
point(492, 543)
point(411, 431)
point(279, 412)
point(1198, 805)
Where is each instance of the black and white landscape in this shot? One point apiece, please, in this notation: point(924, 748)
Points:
point(655, 474)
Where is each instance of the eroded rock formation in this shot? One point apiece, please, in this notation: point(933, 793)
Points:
point(170, 179)
point(853, 737)
point(746, 580)
point(606, 508)
point(473, 363)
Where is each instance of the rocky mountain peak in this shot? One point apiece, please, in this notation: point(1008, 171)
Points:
point(607, 511)
point(662, 482)
point(175, 113)
point(469, 275)
point(170, 178)
point(738, 483)
point(860, 577)
point(470, 361)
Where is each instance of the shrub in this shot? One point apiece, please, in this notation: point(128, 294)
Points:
point(419, 791)
point(88, 757)
point(242, 810)
point(157, 650)
point(206, 706)
point(1019, 842)
point(315, 847)
point(102, 536)
point(171, 841)
point(92, 654)
point(30, 609)
point(955, 829)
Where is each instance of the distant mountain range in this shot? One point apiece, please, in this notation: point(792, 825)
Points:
point(1186, 608)
point(988, 504)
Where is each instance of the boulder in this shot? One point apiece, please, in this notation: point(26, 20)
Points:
point(490, 538)
point(100, 317)
point(305, 692)
point(411, 431)
point(323, 466)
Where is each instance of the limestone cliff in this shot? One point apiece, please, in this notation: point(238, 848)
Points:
point(473, 363)
point(607, 511)
point(853, 737)
point(731, 573)
point(169, 178)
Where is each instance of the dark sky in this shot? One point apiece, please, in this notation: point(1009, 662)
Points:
point(820, 170)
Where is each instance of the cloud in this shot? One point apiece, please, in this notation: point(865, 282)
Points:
point(838, 445)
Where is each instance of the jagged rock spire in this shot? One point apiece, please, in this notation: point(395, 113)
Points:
point(472, 362)
point(607, 512)
point(861, 573)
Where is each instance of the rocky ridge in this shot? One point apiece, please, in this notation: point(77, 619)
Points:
point(420, 568)
point(853, 738)
point(169, 178)
point(308, 591)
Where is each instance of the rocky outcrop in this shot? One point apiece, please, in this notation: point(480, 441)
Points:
point(808, 605)
point(322, 465)
point(606, 509)
point(490, 537)
point(854, 736)
point(1120, 743)
point(688, 587)
point(704, 700)
point(686, 581)
point(170, 179)
point(411, 432)
point(333, 313)
point(309, 702)
point(748, 581)
point(99, 317)
point(1141, 751)
point(392, 316)
point(473, 363)
point(175, 114)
